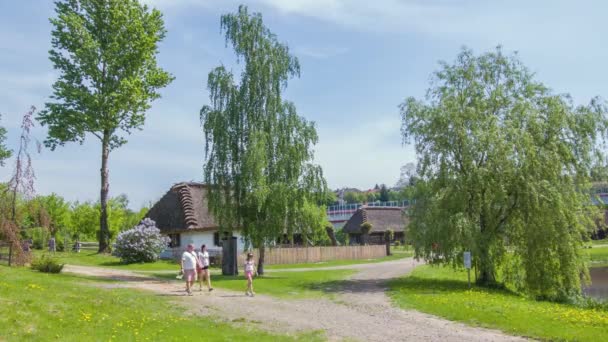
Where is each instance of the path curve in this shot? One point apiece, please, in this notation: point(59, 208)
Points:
point(361, 311)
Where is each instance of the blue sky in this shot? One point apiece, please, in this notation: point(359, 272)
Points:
point(359, 60)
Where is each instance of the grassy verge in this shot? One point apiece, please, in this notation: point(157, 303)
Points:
point(104, 260)
point(288, 285)
point(42, 307)
point(396, 256)
point(89, 258)
point(598, 256)
point(444, 292)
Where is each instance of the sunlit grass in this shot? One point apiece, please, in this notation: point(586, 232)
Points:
point(43, 307)
point(287, 285)
point(444, 292)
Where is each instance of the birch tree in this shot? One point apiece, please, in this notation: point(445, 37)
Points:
point(259, 156)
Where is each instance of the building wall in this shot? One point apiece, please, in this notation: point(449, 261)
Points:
point(198, 239)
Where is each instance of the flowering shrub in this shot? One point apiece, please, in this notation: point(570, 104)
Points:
point(142, 243)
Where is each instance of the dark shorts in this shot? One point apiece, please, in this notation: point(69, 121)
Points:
point(200, 270)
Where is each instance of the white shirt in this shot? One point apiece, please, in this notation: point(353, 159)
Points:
point(249, 266)
point(204, 256)
point(189, 260)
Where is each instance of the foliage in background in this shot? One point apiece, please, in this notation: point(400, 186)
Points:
point(504, 163)
point(105, 53)
point(5, 152)
point(21, 185)
point(142, 243)
point(258, 150)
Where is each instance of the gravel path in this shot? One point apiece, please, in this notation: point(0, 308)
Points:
point(361, 311)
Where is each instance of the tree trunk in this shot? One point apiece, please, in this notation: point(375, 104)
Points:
point(104, 231)
point(10, 254)
point(487, 275)
point(332, 235)
point(262, 250)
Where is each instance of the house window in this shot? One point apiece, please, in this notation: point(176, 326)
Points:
point(175, 240)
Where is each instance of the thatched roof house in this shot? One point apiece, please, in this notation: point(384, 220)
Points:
point(183, 215)
point(381, 219)
point(183, 208)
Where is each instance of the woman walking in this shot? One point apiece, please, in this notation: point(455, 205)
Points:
point(203, 271)
point(249, 271)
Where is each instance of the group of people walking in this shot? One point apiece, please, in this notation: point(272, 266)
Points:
point(195, 266)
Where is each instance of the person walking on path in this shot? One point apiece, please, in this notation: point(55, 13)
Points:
point(52, 246)
point(203, 272)
point(189, 267)
point(249, 270)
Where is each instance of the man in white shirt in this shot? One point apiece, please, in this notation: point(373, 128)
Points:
point(189, 267)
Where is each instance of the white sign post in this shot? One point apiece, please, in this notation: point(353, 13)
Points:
point(467, 265)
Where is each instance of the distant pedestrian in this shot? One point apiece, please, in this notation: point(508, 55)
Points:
point(249, 271)
point(203, 271)
point(77, 246)
point(52, 246)
point(189, 267)
point(26, 246)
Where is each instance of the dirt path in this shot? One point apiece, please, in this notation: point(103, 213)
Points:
point(362, 310)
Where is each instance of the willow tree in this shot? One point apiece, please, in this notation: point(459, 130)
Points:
point(258, 150)
point(105, 52)
point(505, 166)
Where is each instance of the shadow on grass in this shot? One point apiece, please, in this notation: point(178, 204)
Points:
point(423, 285)
point(349, 286)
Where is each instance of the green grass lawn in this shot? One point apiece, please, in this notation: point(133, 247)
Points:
point(89, 258)
point(288, 285)
point(42, 307)
point(598, 256)
point(444, 292)
point(399, 254)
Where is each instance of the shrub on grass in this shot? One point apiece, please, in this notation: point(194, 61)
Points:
point(47, 264)
point(142, 243)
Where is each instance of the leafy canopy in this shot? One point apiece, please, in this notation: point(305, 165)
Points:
point(504, 166)
point(259, 156)
point(105, 52)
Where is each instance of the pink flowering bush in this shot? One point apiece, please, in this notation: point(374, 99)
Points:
point(142, 243)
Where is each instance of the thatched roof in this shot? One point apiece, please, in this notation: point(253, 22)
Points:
point(381, 218)
point(183, 207)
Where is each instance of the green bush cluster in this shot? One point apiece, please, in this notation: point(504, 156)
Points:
point(47, 264)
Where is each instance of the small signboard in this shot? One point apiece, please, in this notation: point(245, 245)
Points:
point(467, 260)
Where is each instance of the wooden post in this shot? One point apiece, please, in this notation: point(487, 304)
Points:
point(10, 254)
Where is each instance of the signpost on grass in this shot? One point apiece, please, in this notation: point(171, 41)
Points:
point(467, 265)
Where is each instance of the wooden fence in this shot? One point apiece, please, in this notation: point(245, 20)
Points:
point(299, 255)
point(4, 251)
point(295, 255)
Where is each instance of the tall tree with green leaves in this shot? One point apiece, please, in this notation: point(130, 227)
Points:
point(105, 52)
point(504, 167)
point(259, 156)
